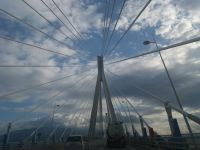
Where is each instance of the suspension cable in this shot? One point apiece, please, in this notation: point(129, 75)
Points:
point(104, 26)
point(45, 121)
point(73, 116)
point(46, 19)
point(197, 39)
point(130, 26)
point(33, 27)
point(59, 19)
point(117, 108)
point(112, 33)
point(121, 103)
point(128, 101)
point(110, 20)
point(87, 103)
point(67, 18)
point(38, 85)
point(42, 66)
point(53, 131)
point(35, 46)
point(46, 102)
point(31, 45)
point(81, 113)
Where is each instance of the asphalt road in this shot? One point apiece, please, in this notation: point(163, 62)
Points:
point(101, 145)
point(128, 148)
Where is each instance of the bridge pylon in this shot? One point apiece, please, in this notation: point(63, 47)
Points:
point(101, 83)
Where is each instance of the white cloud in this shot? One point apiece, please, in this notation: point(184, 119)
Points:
point(173, 21)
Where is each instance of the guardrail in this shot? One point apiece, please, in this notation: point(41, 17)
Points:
point(37, 146)
point(148, 143)
point(12, 146)
point(28, 146)
point(167, 143)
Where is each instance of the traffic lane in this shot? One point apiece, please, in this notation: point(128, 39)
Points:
point(105, 148)
point(99, 144)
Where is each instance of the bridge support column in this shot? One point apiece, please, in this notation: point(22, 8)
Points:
point(54, 138)
point(174, 127)
point(7, 135)
point(144, 131)
point(170, 118)
point(151, 132)
point(133, 130)
point(101, 114)
point(177, 132)
point(126, 129)
point(93, 117)
point(34, 138)
point(101, 79)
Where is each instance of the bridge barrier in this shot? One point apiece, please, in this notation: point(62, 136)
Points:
point(42, 145)
point(11, 146)
point(33, 147)
point(168, 143)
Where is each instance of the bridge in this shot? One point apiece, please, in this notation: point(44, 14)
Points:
point(102, 105)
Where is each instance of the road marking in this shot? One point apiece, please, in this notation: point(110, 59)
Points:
point(128, 148)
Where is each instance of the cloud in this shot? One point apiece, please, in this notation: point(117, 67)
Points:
point(148, 73)
point(170, 21)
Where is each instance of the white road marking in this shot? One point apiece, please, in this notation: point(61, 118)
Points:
point(128, 148)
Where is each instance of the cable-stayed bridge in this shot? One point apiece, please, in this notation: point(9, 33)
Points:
point(106, 117)
point(99, 139)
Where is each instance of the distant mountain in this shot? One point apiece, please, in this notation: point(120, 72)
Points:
point(42, 134)
point(18, 136)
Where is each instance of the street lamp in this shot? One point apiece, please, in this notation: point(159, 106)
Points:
point(166, 70)
point(53, 135)
point(171, 82)
point(149, 42)
point(54, 109)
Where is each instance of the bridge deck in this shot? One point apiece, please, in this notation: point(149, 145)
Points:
point(101, 145)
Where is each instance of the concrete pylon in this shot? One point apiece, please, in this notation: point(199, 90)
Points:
point(170, 118)
point(144, 131)
point(100, 114)
point(34, 138)
point(7, 135)
point(101, 80)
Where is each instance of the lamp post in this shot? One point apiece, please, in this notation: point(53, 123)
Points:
point(54, 109)
point(172, 85)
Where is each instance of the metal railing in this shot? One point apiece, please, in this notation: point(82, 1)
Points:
point(148, 143)
point(28, 146)
point(167, 143)
point(12, 146)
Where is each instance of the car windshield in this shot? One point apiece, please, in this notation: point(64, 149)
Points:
point(74, 139)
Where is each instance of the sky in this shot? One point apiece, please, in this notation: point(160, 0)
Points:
point(168, 22)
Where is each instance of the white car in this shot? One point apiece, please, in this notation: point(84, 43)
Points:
point(75, 142)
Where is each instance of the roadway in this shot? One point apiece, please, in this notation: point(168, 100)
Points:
point(105, 148)
point(101, 145)
point(128, 148)
point(116, 148)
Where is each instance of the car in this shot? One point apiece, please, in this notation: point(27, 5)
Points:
point(115, 135)
point(75, 142)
